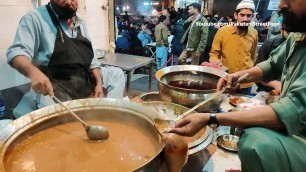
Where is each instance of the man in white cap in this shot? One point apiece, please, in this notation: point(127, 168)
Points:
point(274, 136)
point(235, 46)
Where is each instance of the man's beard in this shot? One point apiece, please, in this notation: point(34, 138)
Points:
point(292, 23)
point(64, 12)
point(243, 27)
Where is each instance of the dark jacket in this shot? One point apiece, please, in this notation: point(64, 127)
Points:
point(178, 32)
point(134, 40)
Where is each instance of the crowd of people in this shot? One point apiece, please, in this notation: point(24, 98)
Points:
point(191, 37)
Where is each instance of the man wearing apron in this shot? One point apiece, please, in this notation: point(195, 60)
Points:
point(53, 49)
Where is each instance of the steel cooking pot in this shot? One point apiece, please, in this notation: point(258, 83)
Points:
point(88, 109)
point(189, 85)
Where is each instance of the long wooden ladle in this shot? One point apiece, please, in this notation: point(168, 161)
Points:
point(163, 124)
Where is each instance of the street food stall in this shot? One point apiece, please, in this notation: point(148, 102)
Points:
point(134, 143)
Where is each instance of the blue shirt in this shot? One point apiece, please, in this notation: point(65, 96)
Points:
point(36, 36)
point(144, 38)
point(122, 42)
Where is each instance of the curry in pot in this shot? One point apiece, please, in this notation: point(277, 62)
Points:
point(66, 148)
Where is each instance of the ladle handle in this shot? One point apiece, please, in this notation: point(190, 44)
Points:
point(69, 110)
point(211, 97)
point(239, 80)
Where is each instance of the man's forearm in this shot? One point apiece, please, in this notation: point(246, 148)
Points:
point(272, 84)
point(24, 66)
point(256, 74)
point(97, 76)
point(261, 117)
point(39, 81)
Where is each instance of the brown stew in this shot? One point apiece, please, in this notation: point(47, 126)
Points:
point(67, 148)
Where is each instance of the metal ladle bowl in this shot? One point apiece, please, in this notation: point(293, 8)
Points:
point(93, 132)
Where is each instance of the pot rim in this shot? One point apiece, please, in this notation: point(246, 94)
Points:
point(162, 72)
point(22, 124)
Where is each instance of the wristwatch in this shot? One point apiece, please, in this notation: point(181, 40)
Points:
point(213, 122)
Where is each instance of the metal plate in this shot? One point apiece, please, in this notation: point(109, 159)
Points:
point(150, 96)
point(171, 111)
point(228, 142)
point(244, 98)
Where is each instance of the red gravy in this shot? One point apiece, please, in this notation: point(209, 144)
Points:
point(66, 148)
point(193, 85)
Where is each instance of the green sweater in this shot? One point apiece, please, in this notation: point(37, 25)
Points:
point(161, 35)
point(289, 61)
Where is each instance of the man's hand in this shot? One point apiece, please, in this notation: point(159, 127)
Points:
point(277, 87)
point(41, 83)
point(227, 81)
point(190, 125)
point(216, 64)
point(98, 92)
point(191, 18)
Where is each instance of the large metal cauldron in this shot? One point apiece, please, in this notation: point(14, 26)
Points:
point(189, 97)
point(97, 109)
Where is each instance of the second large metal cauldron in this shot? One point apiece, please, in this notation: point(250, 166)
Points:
point(188, 96)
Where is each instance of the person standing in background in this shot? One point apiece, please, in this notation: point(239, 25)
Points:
point(196, 36)
point(178, 32)
point(161, 37)
point(235, 46)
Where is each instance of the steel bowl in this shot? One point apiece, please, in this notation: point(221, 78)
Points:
point(87, 109)
point(198, 156)
point(190, 97)
point(171, 111)
point(150, 96)
point(228, 142)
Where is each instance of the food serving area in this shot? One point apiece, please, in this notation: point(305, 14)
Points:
point(134, 143)
point(58, 137)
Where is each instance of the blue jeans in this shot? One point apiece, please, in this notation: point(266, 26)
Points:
point(161, 56)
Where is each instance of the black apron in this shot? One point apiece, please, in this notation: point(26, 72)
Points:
point(68, 69)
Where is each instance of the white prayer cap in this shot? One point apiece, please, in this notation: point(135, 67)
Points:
point(246, 4)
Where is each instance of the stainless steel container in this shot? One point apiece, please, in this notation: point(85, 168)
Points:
point(150, 96)
point(189, 97)
point(197, 155)
point(98, 109)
